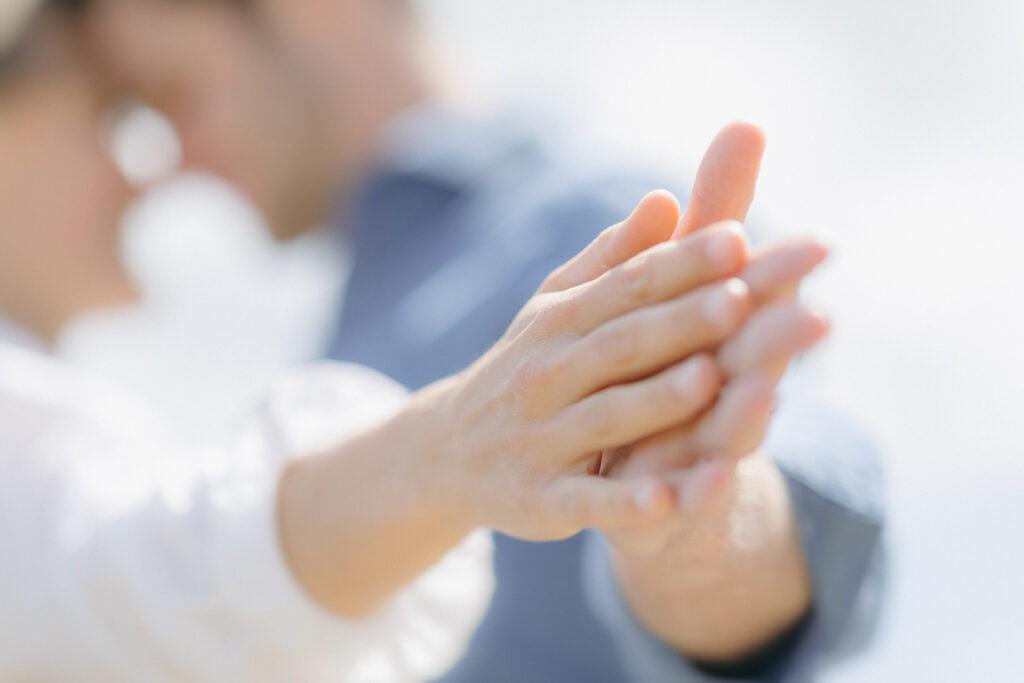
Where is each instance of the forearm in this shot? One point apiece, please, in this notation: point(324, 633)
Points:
point(721, 591)
point(365, 519)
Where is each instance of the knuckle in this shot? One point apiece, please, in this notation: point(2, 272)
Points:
point(548, 319)
point(554, 279)
point(703, 379)
point(636, 279)
point(619, 345)
point(556, 314)
point(599, 420)
point(525, 382)
point(602, 242)
point(533, 381)
point(602, 246)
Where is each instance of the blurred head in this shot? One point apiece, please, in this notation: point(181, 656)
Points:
point(61, 196)
point(283, 98)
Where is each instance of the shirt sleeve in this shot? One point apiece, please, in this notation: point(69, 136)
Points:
point(131, 562)
point(835, 483)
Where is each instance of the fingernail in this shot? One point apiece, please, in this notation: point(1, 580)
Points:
point(722, 306)
point(726, 245)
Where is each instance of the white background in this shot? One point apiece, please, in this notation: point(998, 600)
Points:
point(894, 132)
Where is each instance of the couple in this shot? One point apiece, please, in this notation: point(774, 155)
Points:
point(337, 538)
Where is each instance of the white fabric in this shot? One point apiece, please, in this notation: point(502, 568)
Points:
point(124, 559)
point(15, 335)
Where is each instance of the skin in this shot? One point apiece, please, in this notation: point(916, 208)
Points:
point(695, 579)
point(511, 442)
point(494, 447)
point(50, 125)
point(277, 101)
point(282, 102)
point(621, 328)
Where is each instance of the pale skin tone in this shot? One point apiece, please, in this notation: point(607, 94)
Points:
point(57, 258)
point(728, 594)
point(357, 525)
point(612, 350)
point(684, 578)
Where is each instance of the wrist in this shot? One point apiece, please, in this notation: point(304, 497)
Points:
point(362, 520)
point(722, 592)
point(431, 477)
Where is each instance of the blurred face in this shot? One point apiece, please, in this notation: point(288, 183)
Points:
point(238, 107)
point(62, 199)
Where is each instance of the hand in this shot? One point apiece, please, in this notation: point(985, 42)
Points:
point(606, 352)
point(751, 363)
point(725, 574)
point(699, 457)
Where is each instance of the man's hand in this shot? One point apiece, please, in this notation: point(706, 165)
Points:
point(725, 573)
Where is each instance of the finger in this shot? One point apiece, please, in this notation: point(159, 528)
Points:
point(650, 339)
point(650, 223)
point(771, 337)
point(663, 272)
point(737, 424)
point(584, 501)
point(698, 484)
point(775, 272)
point(627, 412)
point(672, 449)
point(726, 180)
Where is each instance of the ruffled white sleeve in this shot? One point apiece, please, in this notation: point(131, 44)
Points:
point(125, 560)
point(424, 629)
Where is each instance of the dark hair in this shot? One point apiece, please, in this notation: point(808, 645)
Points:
point(15, 49)
point(15, 26)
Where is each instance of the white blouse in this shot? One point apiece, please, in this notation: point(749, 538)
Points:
point(124, 558)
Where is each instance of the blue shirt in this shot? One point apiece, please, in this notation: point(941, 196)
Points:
point(452, 232)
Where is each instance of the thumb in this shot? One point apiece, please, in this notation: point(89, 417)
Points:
point(651, 222)
point(726, 179)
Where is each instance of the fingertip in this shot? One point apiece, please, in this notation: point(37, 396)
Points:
point(748, 134)
point(726, 178)
point(738, 289)
point(820, 250)
point(728, 305)
point(653, 219)
point(661, 199)
point(658, 206)
point(728, 246)
point(812, 324)
point(814, 250)
point(821, 324)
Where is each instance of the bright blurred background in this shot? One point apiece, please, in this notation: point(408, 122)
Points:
point(894, 132)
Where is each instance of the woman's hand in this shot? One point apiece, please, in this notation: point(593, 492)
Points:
point(607, 352)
